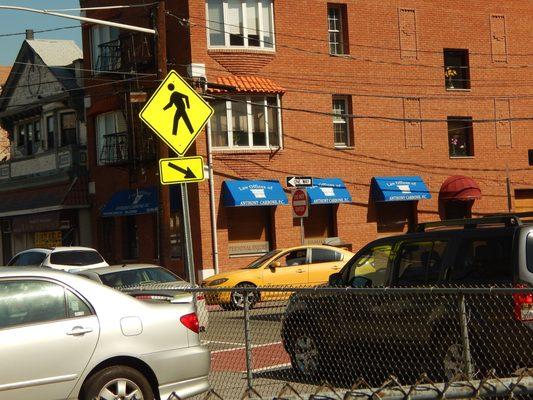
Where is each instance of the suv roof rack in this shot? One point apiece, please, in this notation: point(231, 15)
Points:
point(508, 219)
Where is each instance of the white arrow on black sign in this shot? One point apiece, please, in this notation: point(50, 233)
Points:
point(299, 181)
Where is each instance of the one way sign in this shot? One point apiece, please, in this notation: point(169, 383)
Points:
point(299, 181)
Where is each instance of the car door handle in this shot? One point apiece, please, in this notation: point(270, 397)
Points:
point(300, 271)
point(335, 267)
point(79, 331)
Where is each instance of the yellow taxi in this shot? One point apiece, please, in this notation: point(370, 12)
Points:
point(301, 266)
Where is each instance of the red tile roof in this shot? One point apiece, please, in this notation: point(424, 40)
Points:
point(248, 84)
point(4, 73)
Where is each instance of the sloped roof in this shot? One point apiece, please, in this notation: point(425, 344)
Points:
point(248, 84)
point(56, 53)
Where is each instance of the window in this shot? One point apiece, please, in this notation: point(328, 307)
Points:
point(529, 252)
point(29, 137)
point(240, 23)
point(341, 123)
point(105, 48)
point(112, 138)
point(76, 307)
point(293, 258)
point(21, 137)
point(76, 258)
point(30, 259)
point(320, 224)
point(337, 29)
point(420, 263)
point(456, 69)
point(250, 121)
point(138, 277)
point(484, 261)
point(29, 302)
point(460, 137)
point(324, 256)
point(130, 250)
point(372, 264)
point(50, 129)
point(68, 129)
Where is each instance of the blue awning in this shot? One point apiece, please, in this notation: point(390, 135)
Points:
point(328, 191)
point(253, 193)
point(399, 188)
point(132, 202)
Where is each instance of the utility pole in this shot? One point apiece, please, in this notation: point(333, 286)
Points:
point(164, 203)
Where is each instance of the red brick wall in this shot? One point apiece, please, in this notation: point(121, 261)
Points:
point(378, 79)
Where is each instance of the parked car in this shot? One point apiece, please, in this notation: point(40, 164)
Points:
point(64, 258)
point(150, 283)
point(66, 337)
point(386, 334)
point(300, 266)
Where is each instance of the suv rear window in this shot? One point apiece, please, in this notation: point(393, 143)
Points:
point(76, 257)
point(484, 261)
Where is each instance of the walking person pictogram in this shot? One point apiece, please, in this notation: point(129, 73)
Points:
point(179, 100)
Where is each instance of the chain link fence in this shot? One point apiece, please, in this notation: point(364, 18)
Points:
point(322, 343)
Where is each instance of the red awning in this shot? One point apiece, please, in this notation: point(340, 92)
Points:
point(459, 188)
point(247, 84)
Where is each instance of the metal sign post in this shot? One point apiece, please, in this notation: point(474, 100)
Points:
point(189, 259)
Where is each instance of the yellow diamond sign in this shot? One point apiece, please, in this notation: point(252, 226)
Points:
point(176, 113)
point(181, 170)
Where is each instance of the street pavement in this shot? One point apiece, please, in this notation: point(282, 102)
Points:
point(270, 364)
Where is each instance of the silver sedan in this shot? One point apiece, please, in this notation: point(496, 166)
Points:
point(66, 337)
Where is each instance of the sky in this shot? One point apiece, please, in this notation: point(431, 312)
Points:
point(19, 21)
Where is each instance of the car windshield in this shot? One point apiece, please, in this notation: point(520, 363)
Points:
point(136, 277)
point(257, 263)
point(76, 257)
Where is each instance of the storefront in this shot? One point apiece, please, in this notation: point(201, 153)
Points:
point(249, 210)
point(324, 198)
point(457, 196)
point(395, 201)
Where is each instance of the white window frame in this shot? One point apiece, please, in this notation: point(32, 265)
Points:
point(341, 120)
point(245, 28)
point(339, 45)
point(94, 45)
point(248, 99)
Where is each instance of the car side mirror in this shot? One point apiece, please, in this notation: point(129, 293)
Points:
point(274, 265)
point(335, 280)
point(360, 282)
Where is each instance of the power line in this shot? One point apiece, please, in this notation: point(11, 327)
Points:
point(104, 7)
point(40, 31)
point(349, 57)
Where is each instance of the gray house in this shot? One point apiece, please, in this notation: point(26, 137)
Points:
point(43, 184)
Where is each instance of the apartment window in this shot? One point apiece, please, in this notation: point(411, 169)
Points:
point(68, 126)
point(29, 137)
point(105, 48)
point(341, 123)
point(240, 23)
point(50, 129)
point(337, 29)
point(460, 137)
point(111, 138)
point(456, 69)
point(246, 121)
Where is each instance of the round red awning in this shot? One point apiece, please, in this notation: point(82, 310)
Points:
point(460, 188)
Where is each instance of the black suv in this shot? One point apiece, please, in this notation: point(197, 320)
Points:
point(378, 334)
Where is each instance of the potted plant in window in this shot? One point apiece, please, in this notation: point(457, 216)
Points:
point(457, 146)
point(450, 73)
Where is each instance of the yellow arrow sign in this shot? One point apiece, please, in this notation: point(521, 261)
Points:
point(176, 113)
point(181, 170)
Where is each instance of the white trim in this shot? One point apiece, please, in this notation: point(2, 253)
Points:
point(41, 210)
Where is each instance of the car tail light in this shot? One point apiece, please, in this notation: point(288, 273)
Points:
point(190, 321)
point(523, 305)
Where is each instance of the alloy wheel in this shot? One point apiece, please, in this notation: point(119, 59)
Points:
point(120, 389)
point(306, 355)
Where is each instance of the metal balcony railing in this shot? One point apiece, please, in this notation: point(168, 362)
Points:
point(109, 56)
point(115, 149)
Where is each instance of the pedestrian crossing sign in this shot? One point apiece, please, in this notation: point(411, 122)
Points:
point(176, 113)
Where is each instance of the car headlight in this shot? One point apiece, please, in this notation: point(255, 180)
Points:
point(217, 282)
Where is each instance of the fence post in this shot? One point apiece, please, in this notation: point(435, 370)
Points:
point(465, 340)
point(247, 340)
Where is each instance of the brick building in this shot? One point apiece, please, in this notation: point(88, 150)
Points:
point(402, 111)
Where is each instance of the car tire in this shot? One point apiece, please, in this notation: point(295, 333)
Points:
point(305, 351)
point(118, 381)
point(237, 297)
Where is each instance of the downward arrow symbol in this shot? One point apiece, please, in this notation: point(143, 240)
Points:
point(188, 174)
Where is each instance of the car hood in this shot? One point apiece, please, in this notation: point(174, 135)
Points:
point(229, 275)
